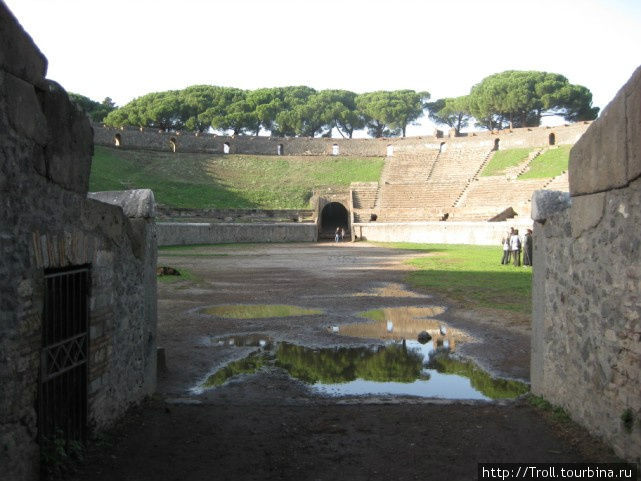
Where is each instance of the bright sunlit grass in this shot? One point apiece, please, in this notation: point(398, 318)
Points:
point(504, 159)
point(550, 163)
point(227, 181)
point(471, 275)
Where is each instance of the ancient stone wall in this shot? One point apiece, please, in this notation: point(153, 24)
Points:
point(180, 214)
point(150, 139)
point(586, 326)
point(47, 222)
point(186, 233)
point(473, 233)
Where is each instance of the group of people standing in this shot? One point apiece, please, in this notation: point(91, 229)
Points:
point(339, 235)
point(512, 246)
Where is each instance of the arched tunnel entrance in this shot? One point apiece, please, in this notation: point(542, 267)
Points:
point(332, 216)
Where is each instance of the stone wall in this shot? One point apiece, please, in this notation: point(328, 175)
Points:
point(474, 233)
point(180, 214)
point(150, 139)
point(47, 221)
point(586, 326)
point(184, 233)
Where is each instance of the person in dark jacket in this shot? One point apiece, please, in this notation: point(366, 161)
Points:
point(527, 248)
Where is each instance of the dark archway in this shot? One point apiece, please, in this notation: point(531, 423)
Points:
point(333, 215)
point(172, 144)
point(117, 140)
point(496, 144)
point(551, 139)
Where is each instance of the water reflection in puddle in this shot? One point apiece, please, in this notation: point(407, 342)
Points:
point(397, 369)
point(248, 365)
point(248, 340)
point(402, 367)
point(398, 323)
point(410, 369)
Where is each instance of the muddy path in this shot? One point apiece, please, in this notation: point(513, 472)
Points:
point(269, 425)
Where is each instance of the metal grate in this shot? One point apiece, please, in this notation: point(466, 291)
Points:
point(62, 403)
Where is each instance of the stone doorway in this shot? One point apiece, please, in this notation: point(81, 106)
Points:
point(333, 215)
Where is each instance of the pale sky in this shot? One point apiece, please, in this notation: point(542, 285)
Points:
point(127, 48)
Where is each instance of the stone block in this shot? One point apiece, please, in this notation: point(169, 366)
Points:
point(586, 213)
point(134, 203)
point(598, 161)
point(633, 116)
point(23, 108)
point(18, 54)
point(547, 202)
point(70, 145)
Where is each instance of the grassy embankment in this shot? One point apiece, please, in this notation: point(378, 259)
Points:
point(550, 163)
point(504, 159)
point(471, 276)
point(227, 181)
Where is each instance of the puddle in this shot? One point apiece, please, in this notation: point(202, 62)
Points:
point(247, 365)
point(392, 290)
point(259, 311)
point(410, 323)
point(249, 340)
point(401, 369)
point(412, 369)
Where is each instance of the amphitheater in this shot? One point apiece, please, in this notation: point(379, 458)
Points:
point(430, 190)
point(82, 312)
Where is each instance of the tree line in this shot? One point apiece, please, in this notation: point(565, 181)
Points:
point(517, 98)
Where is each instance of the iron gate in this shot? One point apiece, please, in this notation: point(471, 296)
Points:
point(62, 403)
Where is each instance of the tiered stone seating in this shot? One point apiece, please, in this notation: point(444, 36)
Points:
point(409, 215)
point(364, 194)
point(436, 195)
point(408, 167)
point(421, 186)
point(489, 196)
point(425, 186)
point(364, 200)
point(501, 192)
point(460, 164)
point(560, 182)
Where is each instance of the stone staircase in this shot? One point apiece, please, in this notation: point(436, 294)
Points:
point(560, 182)
point(461, 198)
point(524, 166)
point(433, 185)
point(364, 195)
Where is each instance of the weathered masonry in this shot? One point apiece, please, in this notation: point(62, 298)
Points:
point(77, 274)
point(150, 139)
point(586, 326)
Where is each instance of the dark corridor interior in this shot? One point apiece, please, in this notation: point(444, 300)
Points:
point(333, 215)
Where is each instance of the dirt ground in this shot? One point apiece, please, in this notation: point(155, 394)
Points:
point(267, 426)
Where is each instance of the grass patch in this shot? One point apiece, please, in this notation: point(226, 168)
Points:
point(259, 311)
point(550, 163)
point(185, 275)
point(373, 314)
point(192, 254)
point(557, 413)
point(227, 181)
point(503, 159)
point(471, 275)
